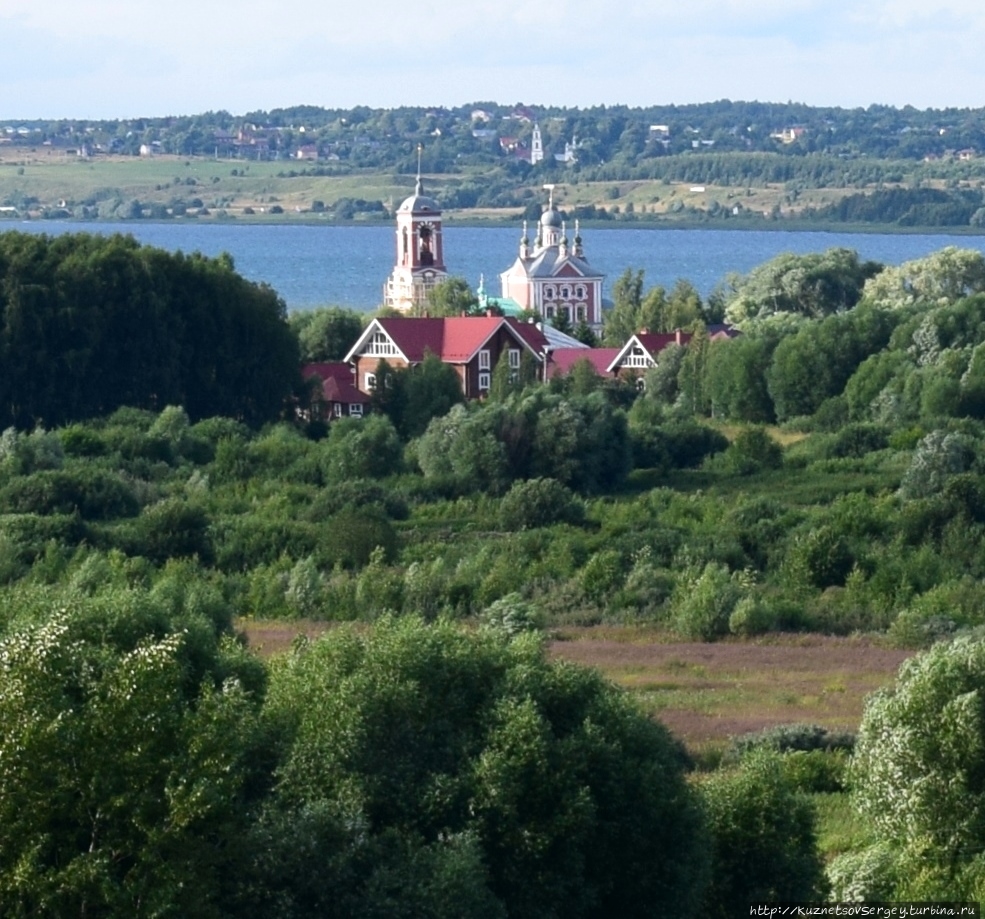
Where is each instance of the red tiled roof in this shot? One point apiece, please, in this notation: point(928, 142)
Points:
point(342, 391)
point(413, 336)
point(454, 339)
point(563, 359)
point(534, 337)
point(464, 335)
point(334, 370)
point(337, 385)
point(655, 342)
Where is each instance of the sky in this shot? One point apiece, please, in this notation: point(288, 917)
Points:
point(130, 58)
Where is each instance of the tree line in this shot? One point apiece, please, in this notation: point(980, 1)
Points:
point(90, 323)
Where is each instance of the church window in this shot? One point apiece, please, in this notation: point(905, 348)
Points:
point(426, 255)
point(484, 362)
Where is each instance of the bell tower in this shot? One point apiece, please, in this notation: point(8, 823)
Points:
point(420, 257)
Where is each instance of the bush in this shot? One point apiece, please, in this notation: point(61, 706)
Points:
point(95, 494)
point(764, 846)
point(539, 503)
point(703, 602)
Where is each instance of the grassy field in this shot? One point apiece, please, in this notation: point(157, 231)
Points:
point(53, 178)
point(706, 693)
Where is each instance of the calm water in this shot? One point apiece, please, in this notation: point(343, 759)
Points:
point(312, 265)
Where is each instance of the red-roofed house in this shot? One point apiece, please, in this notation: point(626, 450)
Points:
point(562, 360)
point(639, 354)
point(471, 344)
point(337, 396)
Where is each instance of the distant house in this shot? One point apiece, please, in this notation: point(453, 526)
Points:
point(337, 396)
point(473, 345)
point(639, 354)
point(307, 152)
point(789, 135)
point(563, 360)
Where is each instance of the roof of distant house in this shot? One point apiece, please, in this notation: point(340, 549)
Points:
point(564, 359)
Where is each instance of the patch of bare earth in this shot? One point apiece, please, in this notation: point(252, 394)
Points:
point(706, 693)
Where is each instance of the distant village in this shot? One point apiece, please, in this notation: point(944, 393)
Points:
point(524, 133)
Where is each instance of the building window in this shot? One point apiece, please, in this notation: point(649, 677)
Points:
point(484, 363)
point(484, 380)
point(369, 382)
point(549, 292)
point(337, 409)
point(550, 312)
point(641, 384)
point(637, 357)
point(580, 312)
point(565, 292)
point(514, 358)
point(356, 409)
point(580, 291)
point(381, 346)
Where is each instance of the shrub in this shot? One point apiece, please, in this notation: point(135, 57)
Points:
point(539, 503)
point(763, 840)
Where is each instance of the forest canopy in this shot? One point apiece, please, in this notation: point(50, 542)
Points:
point(90, 323)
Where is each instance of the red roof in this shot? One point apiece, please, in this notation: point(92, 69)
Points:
point(655, 342)
point(342, 391)
point(563, 359)
point(334, 370)
point(337, 385)
point(454, 339)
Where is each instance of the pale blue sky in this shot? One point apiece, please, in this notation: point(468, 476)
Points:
point(123, 58)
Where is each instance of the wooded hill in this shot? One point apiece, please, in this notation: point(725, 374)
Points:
point(925, 167)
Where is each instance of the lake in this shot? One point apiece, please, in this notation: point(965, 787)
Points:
point(347, 265)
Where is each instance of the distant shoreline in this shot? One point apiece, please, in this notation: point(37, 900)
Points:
point(781, 225)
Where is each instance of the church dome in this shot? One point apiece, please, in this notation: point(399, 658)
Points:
point(419, 202)
point(551, 217)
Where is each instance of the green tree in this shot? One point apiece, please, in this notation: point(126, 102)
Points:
point(326, 333)
point(430, 391)
point(622, 320)
point(812, 285)
point(763, 840)
point(452, 297)
point(125, 767)
point(576, 802)
point(918, 773)
point(939, 279)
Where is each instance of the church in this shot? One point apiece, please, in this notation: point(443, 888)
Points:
point(552, 278)
point(420, 258)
